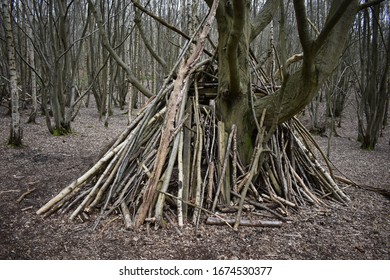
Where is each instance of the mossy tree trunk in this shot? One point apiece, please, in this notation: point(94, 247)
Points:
point(234, 73)
point(321, 56)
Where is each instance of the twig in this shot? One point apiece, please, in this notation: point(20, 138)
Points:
point(24, 195)
point(7, 191)
point(248, 223)
point(224, 166)
point(108, 223)
point(26, 208)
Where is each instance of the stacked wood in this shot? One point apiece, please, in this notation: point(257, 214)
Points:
point(190, 177)
point(176, 163)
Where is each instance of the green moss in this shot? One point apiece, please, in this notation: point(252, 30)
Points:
point(368, 147)
point(61, 132)
point(15, 145)
point(15, 142)
point(56, 132)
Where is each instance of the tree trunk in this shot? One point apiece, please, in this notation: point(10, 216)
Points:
point(375, 90)
point(321, 56)
point(16, 130)
point(31, 60)
point(234, 83)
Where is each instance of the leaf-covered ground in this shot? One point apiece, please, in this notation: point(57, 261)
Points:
point(47, 164)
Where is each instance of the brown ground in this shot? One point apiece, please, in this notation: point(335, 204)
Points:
point(359, 231)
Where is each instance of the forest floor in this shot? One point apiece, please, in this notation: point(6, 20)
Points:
point(360, 230)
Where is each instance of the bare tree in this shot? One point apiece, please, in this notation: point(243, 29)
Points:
point(373, 82)
point(16, 130)
point(31, 61)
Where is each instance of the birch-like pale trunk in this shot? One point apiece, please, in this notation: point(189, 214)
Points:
point(31, 61)
point(16, 130)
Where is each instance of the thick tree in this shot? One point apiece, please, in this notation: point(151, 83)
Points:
point(175, 153)
point(320, 56)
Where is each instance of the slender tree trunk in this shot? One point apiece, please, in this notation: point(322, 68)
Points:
point(31, 60)
point(16, 130)
point(376, 68)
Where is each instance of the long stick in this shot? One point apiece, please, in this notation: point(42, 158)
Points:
point(79, 181)
point(248, 223)
point(180, 221)
point(126, 215)
point(253, 169)
point(225, 163)
point(174, 103)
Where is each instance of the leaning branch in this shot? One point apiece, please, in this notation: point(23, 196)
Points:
point(166, 24)
point(153, 52)
point(173, 109)
point(369, 4)
point(330, 23)
point(106, 44)
point(264, 18)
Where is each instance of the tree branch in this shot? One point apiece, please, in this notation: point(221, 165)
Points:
point(331, 21)
point(303, 27)
point(369, 4)
point(163, 22)
point(264, 18)
point(289, 61)
point(141, 30)
point(302, 85)
point(106, 44)
point(166, 24)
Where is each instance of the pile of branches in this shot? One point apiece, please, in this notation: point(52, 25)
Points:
point(175, 163)
point(198, 171)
